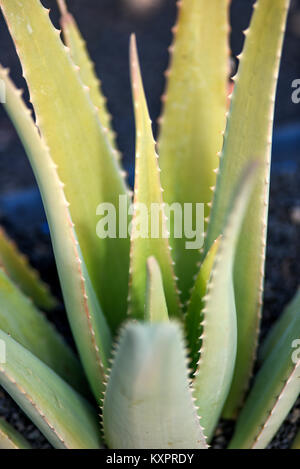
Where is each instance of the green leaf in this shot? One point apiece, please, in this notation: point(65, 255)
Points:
point(147, 238)
point(156, 307)
point(148, 402)
point(88, 324)
point(10, 438)
point(194, 317)
point(81, 58)
point(24, 323)
point(219, 339)
point(194, 116)
point(19, 270)
point(248, 138)
point(78, 145)
point(275, 390)
point(281, 328)
point(65, 418)
point(296, 443)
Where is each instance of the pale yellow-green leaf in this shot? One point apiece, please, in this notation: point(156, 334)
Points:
point(87, 321)
point(149, 233)
point(213, 378)
point(69, 123)
point(296, 443)
point(10, 438)
point(66, 419)
point(23, 322)
point(148, 401)
point(275, 389)
point(81, 58)
point(281, 328)
point(193, 118)
point(156, 307)
point(248, 138)
point(194, 317)
point(18, 268)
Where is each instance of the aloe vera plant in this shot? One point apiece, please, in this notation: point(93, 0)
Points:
point(166, 335)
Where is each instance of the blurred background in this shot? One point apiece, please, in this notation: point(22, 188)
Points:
point(106, 25)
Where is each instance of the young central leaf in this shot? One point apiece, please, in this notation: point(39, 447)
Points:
point(149, 232)
point(148, 401)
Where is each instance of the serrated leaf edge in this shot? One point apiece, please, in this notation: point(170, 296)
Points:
point(35, 407)
point(135, 66)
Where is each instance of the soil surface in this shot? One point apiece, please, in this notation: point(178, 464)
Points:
point(106, 25)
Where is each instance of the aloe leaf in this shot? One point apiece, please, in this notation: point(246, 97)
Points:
point(81, 58)
point(23, 322)
point(70, 125)
point(156, 307)
point(153, 393)
point(248, 137)
point(296, 443)
point(194, 116)
point(282, 327)
point(19, 270)
point(10, 438)
point(275, 389)
point(87, 321)
point(194, 317)
point(149, 235)
point(65, 418)
point(219, 338)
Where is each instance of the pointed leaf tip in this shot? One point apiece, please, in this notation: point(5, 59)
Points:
point(149, 235)
point(134, 405)
point(62, 7)
point(156, 307)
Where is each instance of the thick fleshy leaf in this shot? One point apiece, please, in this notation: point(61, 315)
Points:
point(275, 390)
point(156, 306)
point(194, 116)
point(296, 443)
point(281, 328)
point(81, 58)
point(148, 401)
point(24, 323)
point(70, 125)
point(65, 418)
point(219, 338)
point(247, 138)
point(194, 317)
point(86, 318)
point(149, 232)
point(10, 438)
point(19, 270)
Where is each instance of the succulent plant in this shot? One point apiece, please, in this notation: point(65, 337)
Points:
point(296, 444)
point(166, 335)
